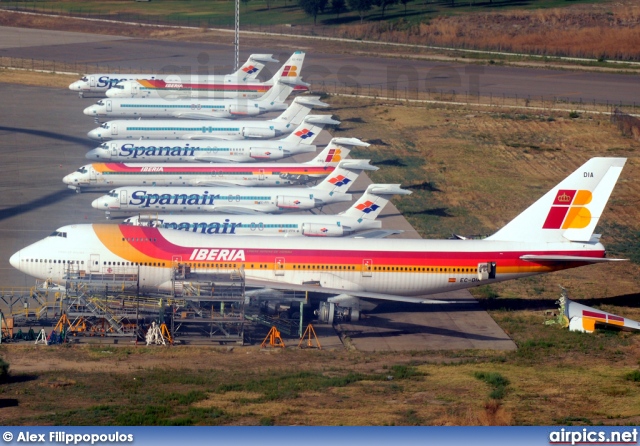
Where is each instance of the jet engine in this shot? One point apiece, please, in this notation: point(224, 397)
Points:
point(243, 110)
point(265, 154)
point(318, 230)
point(282, 201)
point(253, 132)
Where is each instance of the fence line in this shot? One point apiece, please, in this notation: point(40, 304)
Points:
point(373, 91)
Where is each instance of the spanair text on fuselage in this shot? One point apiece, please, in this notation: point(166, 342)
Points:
point(153, 151)
point(215, 199)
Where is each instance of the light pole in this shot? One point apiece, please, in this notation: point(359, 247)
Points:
point(236, 41)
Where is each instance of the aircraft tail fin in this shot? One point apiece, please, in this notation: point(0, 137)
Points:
point(299, 109)
point(290, 70)
point(253, 66)
point(337, 150)
point(278, 93)
point(309, 129)
point(344, 175)
point(373, 201)
point(571, 210)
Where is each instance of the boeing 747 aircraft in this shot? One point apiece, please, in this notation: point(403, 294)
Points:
point(242, 151)
point(215, 130)
point(199, 87)
point(100, 176)
point(554, 233)
point(101, 82)
point(357, 221)
point(235, 200)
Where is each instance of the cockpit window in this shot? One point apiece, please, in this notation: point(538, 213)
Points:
point(82, 170)
point(113, 193)
point(58, 234)
point(84, 78)
point(104, 125)
point(121, 87)
point(104, 145)
point(100, 103)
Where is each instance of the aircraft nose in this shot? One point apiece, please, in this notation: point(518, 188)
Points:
point(90, 111)
point(15, 260)
point(93, 154)
point(67, 179)
point(96, 203)
point(110, 93)
point(74, 86)
point(94, 134)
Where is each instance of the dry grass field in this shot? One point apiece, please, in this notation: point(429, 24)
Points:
point(471, 171)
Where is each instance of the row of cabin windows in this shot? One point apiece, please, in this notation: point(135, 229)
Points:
point(186, 129)
point(187, 106)
point(70, 262)
point(187, 172)
point(138, 239)
point(133, 263)
point(425, 269)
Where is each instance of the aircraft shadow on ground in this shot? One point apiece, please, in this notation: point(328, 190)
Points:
point(49, 199)
point(436, 212)
point(393, 328)
point(625, 300)
point(47, 134)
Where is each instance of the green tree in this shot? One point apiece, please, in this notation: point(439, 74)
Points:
point(383, 4)
point(313, 7)
point(338, 7)
point(404, 2)
point(361, 6)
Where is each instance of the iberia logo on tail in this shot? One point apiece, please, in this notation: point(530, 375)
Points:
point(290, 71)
point(367, 207)
point(333, 156)
point(569, 210)
point(250, 69)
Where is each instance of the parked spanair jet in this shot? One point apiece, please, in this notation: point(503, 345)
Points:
point(205, 129)
point(101, 82)
point(555, 233)
point(100, 176)
point(235, 199)
point(154, 151)
point(202, 87)
point(272, 100)
point(357, 221)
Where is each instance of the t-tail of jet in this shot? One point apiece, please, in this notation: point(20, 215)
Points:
point(299, 109)
point(290, 71)
point(253, 66)
point(309, 129)
point(276, 95)
point(373, 201)
point(344, 175)
point(570, 211)
point(337, 150)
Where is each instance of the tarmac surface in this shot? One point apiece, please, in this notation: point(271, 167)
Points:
point(43, 138)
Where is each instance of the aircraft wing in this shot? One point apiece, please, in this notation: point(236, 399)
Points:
point(557, 258)
point(211, 159)
point(202, 136)
point(212, 183)
point(237, 210)
point(319, 289)
point(376, 233)
point(196, 115)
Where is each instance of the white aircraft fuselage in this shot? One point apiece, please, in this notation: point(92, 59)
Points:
point(180, 108)
point(157, 151)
